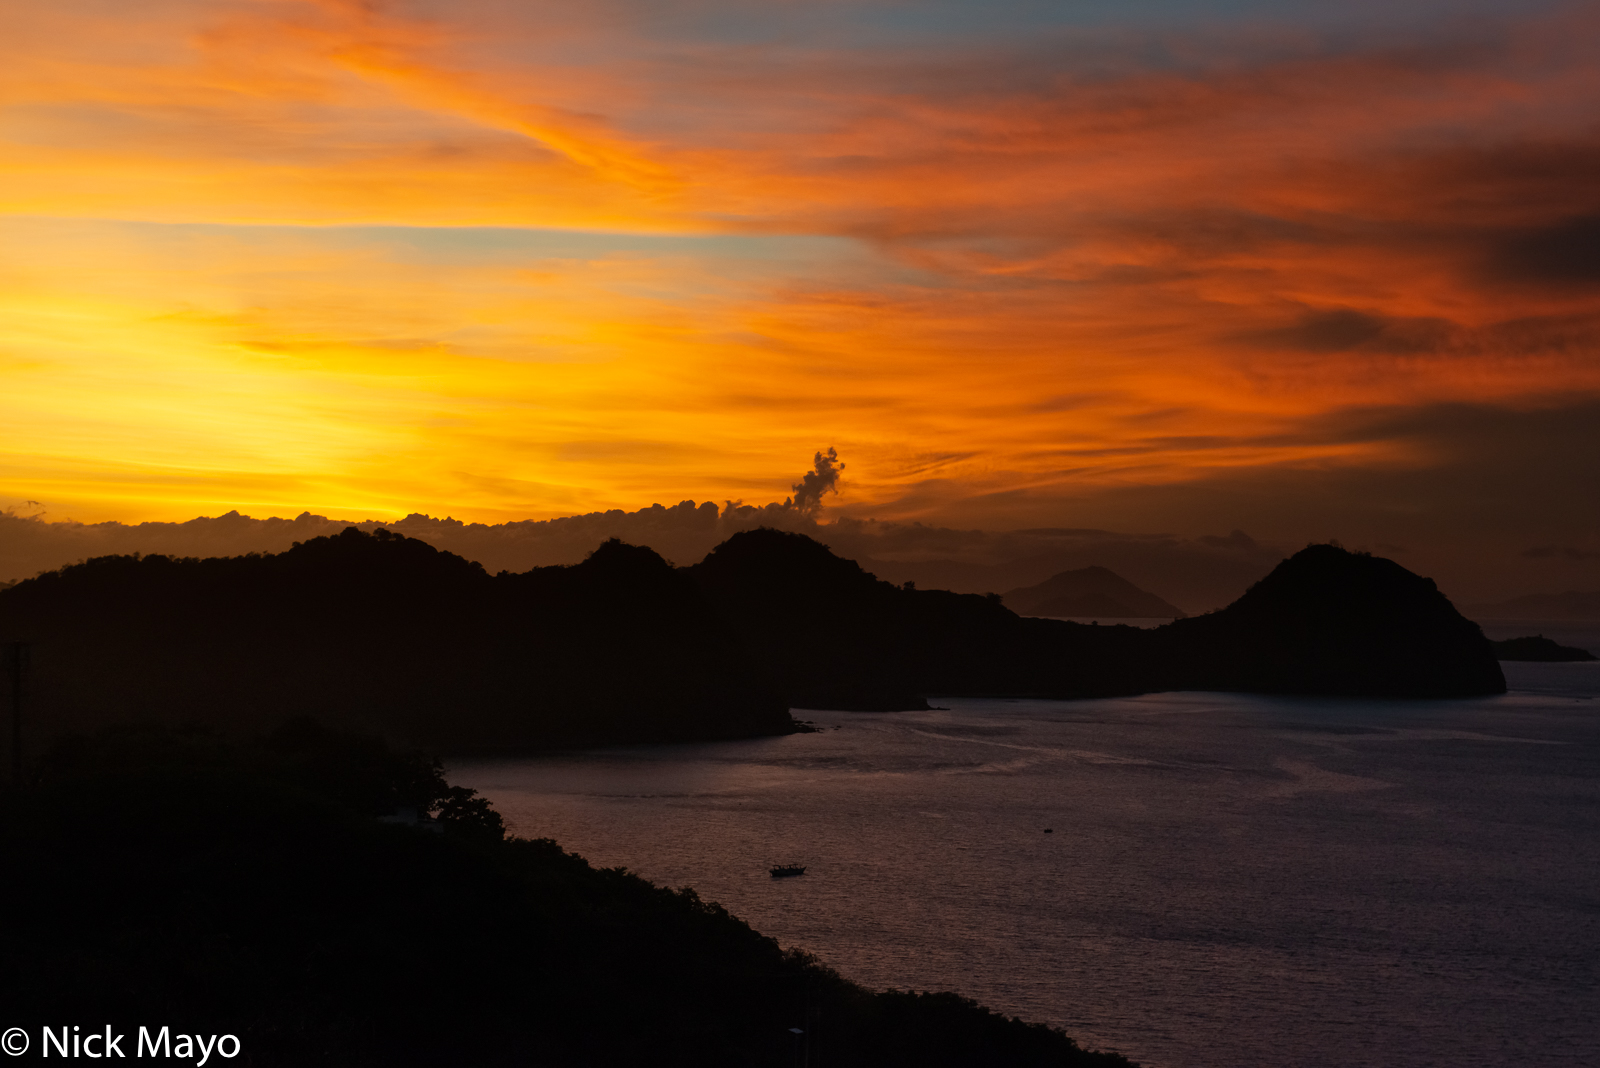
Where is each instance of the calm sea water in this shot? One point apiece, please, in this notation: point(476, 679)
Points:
point(1228, 880)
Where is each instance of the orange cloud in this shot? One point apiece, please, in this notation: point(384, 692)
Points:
point(1036, 269)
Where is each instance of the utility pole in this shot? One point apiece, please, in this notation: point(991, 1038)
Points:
point(19, 663)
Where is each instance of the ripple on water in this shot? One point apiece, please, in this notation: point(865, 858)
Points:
point(1230, 881)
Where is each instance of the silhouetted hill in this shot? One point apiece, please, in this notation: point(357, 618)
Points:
point(248, 889)
point(1328, 621)
point(1094, 592)
point(1538, 648)
point(1325, 621)
point(389, 634)
point(826, 631)
point(832, 636)
point(1574, 604)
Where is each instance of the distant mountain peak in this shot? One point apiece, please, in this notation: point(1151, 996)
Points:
point(1089, 591)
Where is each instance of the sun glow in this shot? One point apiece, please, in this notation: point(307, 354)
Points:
point(374, 259)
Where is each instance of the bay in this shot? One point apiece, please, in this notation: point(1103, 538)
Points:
point(1194, 879)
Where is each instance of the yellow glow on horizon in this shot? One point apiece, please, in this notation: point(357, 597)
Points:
point(156, 375)
point(1035, 291)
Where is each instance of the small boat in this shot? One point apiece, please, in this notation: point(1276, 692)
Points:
point(784, 871)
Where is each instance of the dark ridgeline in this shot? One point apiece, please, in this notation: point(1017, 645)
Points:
point(1538, 648)
point(248, 888)
point(835, 637)
point(1325, 621)
point(385, 633)
point(829, 634)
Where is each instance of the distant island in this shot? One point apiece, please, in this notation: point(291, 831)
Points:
point(382, 633)
point(1089, 592)
point(1324, 621)
point(1329, 621)
point(1539, 648)
point(1574, 604)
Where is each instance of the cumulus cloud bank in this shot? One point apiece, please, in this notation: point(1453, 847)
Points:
point(1197, 574)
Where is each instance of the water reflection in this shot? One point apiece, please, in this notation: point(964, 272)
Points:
point(1230, 880)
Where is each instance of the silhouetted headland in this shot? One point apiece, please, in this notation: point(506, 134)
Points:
point(1539, 648)
point(834, 637)
point(1089, 592)
point(252, 888)
point(387, 634)
point(1325, 621)
point(1328, 621)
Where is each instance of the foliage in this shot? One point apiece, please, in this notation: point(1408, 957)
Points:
point(248, 889)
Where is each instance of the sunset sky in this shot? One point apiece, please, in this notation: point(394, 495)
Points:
point(1309, 269)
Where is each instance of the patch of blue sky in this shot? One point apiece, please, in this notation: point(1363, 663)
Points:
point(779, 258)
point(296, 132)
point(790, 255)
point(894, 25)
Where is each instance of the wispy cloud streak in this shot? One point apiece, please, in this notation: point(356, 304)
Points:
point(999, 274)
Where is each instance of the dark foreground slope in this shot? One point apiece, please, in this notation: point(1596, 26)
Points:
point(250, 890)
point(1327, 621)
point(388, 634)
